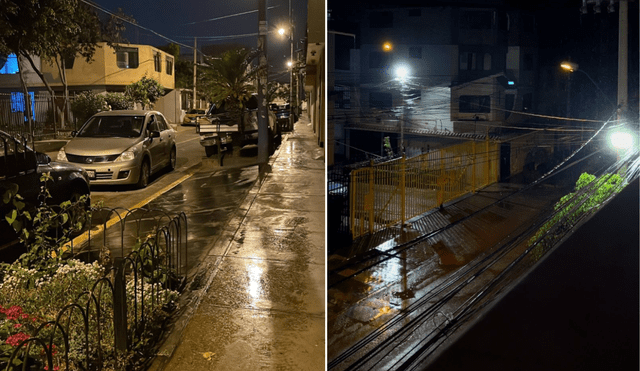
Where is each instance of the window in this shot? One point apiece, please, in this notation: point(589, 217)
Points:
point(8, 65)
point(380, 100)
point(378, 60)
point(69, 61)
point(162, 124)
point(127, 57)
point(487, 61)
point(476, 20)
point(468, 61)
point(157, 62)
point(169, 66)
point(343, 97)
point(474, 104)
point(381, 20)
point(415, 52)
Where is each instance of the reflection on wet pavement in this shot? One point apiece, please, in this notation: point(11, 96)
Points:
point(264, 305)
point(370, 287)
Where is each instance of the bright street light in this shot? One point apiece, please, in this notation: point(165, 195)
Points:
point(402, 72)
point(621, 140)
point(571, 67)
point(281, 31)
point(387, 46)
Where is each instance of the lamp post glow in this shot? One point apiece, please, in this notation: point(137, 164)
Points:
point(402, 72)
point(621, 140)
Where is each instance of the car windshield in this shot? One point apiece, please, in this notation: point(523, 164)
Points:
point(112, 126)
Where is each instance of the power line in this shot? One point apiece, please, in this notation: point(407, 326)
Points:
point(228, 16)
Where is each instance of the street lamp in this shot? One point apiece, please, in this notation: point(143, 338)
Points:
point(402, 74)
point(572, 67)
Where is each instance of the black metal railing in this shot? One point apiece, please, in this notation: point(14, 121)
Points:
point(110, 326)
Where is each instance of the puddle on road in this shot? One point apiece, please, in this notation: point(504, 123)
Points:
point(447, 258)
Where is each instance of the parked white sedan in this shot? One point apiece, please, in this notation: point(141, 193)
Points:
point(122, 147)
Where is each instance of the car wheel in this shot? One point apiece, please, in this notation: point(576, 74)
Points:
point(172, 159)
point(145, 173)
point(210, 150)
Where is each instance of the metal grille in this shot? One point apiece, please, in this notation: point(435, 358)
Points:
point(385, 194)
point(104, 176)
point(91, 159)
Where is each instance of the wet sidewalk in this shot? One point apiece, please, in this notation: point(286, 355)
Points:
point(258, 299)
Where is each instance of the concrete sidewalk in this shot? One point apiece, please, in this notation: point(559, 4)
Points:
point(258, 299)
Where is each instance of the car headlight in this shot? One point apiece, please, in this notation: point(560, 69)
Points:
point(127, 155)
point(62, 156)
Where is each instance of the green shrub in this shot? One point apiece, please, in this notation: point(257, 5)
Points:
point(146, 91)
point(119, 101)
point(87, 104)
point(573, 206)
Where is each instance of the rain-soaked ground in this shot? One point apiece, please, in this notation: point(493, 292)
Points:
point(385, 301)
point(258, 298)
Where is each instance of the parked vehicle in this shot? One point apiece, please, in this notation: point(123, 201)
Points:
point(122, 147)
point(21, 165)
point(283, 112)
point(194, 117)
point(221, 125)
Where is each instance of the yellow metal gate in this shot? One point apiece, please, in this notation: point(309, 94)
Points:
point(385, 194)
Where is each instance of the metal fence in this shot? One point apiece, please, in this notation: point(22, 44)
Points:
point(112, 324)
point(385, 194)
point(13, 118)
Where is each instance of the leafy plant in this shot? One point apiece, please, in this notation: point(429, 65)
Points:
point(119, 101)
point(146, 91)
point(590, 194)
point(45, 230)
point(87, 104)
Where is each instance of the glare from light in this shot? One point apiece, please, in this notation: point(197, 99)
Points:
point(402, 72)
point(621, 140)
point(281, 31)
point(387, 46)
point(571, 67)
point(289, 64)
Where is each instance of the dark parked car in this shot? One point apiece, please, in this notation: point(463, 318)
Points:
point(21, 165)
point(283, 112)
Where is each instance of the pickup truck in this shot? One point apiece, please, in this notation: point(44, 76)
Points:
point(221, 127)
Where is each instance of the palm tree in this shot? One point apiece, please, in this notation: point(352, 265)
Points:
point(230, 81)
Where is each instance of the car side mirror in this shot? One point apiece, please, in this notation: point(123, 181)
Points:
point(154, 134)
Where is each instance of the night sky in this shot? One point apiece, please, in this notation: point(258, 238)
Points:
point(181, 21)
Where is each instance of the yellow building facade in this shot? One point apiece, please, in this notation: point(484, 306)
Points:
point(114, 68)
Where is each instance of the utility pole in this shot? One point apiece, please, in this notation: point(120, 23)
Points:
point(291, 92)
point(623, 59)
point(263, 124)
point(195, 62)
